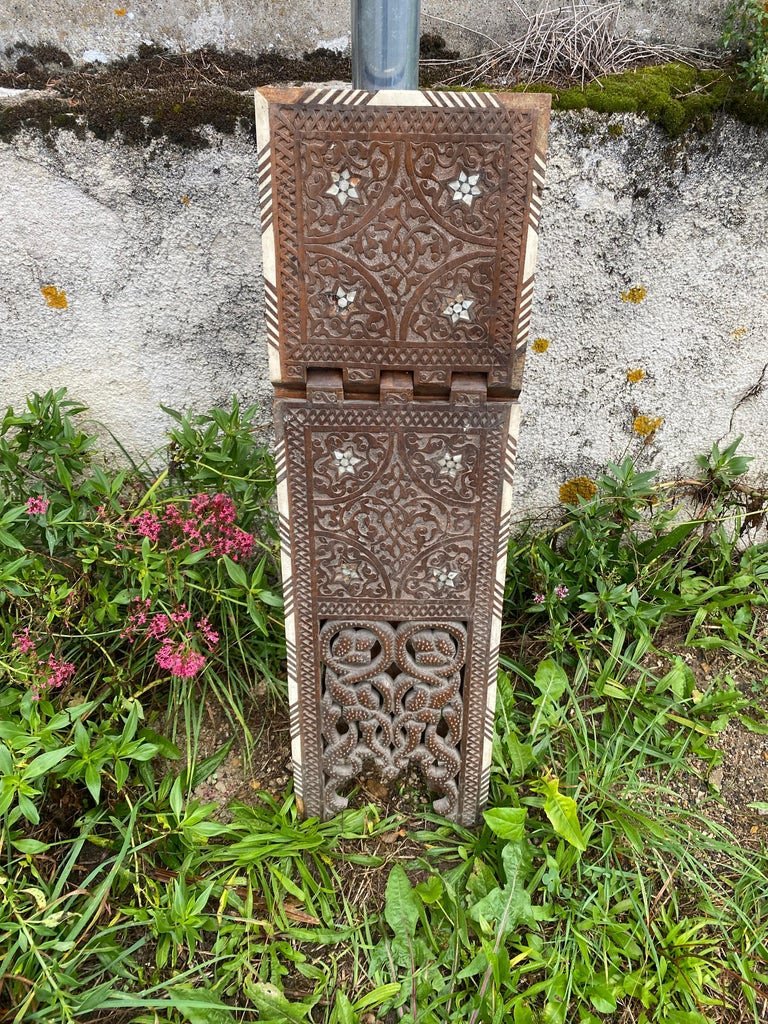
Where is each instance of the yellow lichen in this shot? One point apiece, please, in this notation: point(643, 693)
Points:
point(634, 294)
point(55, 297)
point(636, 375)
point(739, 332)
point(120, 12)
point(578, 487)
point(185, 200)
point(646, 425)
point(540, 345)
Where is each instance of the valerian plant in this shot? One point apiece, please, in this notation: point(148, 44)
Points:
point(115, 582)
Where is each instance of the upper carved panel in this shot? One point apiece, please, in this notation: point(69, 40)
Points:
point(399, 501)
point(400, 231)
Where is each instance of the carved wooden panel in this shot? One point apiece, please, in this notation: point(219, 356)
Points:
point(393, 513)
point(400, 237)
point(392, 696)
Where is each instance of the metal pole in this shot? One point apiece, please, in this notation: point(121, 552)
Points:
point(385, 44)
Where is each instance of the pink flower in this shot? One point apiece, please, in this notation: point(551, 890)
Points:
point(147, 525)
point(561, 591)
point(159, 626)
point(23, 642)
point(37, 506)
point(60, 672)
point(209, 634)
point(178, 661)
point(137, 618)
point(538, 599)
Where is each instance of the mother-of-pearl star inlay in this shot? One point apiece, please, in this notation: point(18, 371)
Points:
point(346, 461)
point(445, 578)
point(465, 188)
point(450, 464)
point(458, 308)
point(344, 299)
point(343, 187)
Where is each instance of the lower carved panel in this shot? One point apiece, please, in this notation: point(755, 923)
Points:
point(392, 698)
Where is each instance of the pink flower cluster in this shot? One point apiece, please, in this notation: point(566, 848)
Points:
point(561, 592)
point(37, 506)
point(208, 524)
point(54, 673)
point(176, 654)
point(147, 525)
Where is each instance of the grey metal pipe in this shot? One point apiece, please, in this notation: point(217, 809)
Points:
point(385, 44)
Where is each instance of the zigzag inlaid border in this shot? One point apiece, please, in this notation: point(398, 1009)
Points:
point(286, 563)
point(505, 526)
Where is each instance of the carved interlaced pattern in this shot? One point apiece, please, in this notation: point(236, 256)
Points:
point(391, 696)
point(395, 513)
point(403, 245)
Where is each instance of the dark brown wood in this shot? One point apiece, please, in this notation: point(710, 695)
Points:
point(400, 236)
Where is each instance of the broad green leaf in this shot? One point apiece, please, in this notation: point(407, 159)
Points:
point(176, 797)
point(235, 572)
point(343, 1013)
point(551, 682)
point(518, 756)
point(6, 760)
point(680, 680)
point(602, 995)
point(208, 766)
point(31, 846)
point(431, 890)
point(401, 909)
point(507, 822)
point(377, 996)
point(93, 781)
point(272, 1004)
point(510, 906)
point(523, 1014)
point(9, 541)
point(200, 1007)
point(563, 814)
point(44, 762)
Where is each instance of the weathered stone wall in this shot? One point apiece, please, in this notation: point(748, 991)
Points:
point(132, 275)
point(90, 30)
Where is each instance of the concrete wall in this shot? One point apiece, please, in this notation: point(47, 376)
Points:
point(90, 30)
point(133, 277)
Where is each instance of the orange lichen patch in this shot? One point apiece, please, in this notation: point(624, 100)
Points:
point(120, 12)
point(185, 200)
point(540, 345)
point(646, 425)
point(55, 297)
point(636, 375)
point(739, 332)
point(635, 294)
point(578, 487)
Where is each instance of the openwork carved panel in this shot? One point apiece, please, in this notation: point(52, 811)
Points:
point(400, 232)
point(392, 698)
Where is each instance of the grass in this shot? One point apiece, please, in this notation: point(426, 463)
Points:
point(591, 893)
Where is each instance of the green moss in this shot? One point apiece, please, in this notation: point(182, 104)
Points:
point(157, 94)
point(42, 114)
point(675, 96)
